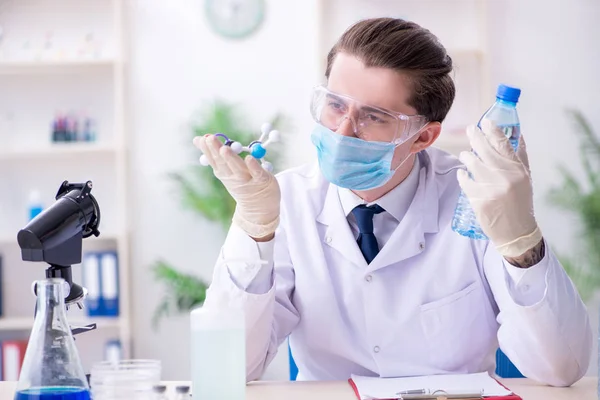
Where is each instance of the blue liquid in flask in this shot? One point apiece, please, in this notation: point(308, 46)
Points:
point(53, 393)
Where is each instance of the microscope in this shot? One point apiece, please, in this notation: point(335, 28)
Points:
point(55, 237)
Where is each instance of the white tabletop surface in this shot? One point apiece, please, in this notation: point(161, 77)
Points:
point(585, 389)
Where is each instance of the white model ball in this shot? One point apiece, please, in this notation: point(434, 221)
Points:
point(265, 128)
point(274, 135)
point(236, 147)
point(204, 160)
point(267, 166)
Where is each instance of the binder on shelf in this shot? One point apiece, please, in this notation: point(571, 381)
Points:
point(13, 353)
point(109, 283)
point(101, 278)
point(91, 281)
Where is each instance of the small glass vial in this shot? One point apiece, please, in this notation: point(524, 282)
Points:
point(182, 393)
point(160, 392)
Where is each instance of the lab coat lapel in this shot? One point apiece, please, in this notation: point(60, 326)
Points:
point(338, 234)
point(421, 217)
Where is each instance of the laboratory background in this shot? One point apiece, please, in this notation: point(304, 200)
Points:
point(113, 91)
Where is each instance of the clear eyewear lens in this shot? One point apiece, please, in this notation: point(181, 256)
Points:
point(368, 122)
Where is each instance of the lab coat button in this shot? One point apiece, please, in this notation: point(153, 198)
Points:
point(368, 278)
point(421, 246)
point(328, 239)
point(376, 349)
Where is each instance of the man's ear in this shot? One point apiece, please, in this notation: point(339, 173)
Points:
point(426, 137)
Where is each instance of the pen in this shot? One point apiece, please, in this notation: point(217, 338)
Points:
point(424, 394)
point(441, 395)
point(412, 391)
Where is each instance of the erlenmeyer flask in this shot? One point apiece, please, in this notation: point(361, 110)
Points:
point(51, 369)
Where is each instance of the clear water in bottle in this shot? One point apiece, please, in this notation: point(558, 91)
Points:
point(504, 114)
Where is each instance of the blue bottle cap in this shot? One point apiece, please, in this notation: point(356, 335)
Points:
point(508, 93)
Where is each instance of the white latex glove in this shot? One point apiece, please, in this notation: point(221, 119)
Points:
point(255, 190)
point(500, 192)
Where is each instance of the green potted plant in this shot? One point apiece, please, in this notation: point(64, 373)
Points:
point(581, 198)
point(204, 195)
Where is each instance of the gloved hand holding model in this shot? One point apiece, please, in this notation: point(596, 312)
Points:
point(254, 189)
point(500, 191)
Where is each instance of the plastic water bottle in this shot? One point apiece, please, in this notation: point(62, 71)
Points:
point(504, 114)
point(218, 351)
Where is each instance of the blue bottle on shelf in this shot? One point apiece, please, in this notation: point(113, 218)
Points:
point(35, 204)
point(504, 114)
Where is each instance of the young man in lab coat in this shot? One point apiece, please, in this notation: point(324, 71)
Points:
point(362, 270)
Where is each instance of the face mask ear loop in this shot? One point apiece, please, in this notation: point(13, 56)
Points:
point(411, 136)
point(402, 163)
point(398, 144)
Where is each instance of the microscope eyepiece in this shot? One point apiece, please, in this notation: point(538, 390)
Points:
point(55, 235)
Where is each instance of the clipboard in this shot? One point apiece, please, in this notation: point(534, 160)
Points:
point(509, 397)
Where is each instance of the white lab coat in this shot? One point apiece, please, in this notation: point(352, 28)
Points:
point(431, 302)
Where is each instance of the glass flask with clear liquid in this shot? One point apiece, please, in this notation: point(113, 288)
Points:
point(52, 369)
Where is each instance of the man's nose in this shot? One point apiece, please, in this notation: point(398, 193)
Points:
point(347, 127)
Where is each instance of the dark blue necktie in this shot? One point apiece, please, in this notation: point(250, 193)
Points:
point(366, 239)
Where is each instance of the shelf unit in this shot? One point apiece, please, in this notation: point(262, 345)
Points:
point(24, 323)
point(59, 151)
point(8, 241)
point(54, 67)
point(34, 88)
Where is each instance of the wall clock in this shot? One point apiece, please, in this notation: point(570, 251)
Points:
point(235, 19)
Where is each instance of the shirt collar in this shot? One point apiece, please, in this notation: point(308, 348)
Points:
point(395, 202)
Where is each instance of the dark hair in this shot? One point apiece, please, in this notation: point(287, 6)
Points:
point(407, 48)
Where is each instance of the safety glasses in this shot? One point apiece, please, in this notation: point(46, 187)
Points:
point(368, 122)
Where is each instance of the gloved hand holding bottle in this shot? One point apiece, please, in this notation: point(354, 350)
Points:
point(255, 190)
point(500, 191)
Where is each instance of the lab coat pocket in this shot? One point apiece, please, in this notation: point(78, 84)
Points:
point(456, 329)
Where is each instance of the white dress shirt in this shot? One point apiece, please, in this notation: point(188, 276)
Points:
point(395, 203)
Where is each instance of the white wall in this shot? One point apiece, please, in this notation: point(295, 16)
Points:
point(176, 63)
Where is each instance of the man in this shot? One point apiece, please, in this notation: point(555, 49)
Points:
point(361, 268)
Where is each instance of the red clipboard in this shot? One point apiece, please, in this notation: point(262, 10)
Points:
point(509, 397)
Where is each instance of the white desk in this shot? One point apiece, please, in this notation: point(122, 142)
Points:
point(528, 390)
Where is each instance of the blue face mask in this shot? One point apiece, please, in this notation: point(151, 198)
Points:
point(353, 163)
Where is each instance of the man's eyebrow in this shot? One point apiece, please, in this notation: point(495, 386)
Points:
point(336, 97)
point(365, 108)
point(374, 110)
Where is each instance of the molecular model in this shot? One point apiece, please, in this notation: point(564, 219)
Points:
point(257, 148)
